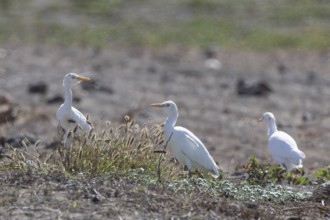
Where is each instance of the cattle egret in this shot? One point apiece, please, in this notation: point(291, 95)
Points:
point(184, 145)
point(66, 113)
point(282, 146)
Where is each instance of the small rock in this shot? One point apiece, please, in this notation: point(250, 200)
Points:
point(251, 205)
point(55, 99)
point(213, 64)
point(282, 69)
point(234, 209)
point(311, 77)
point(260, 88)
point(116, 193)
point(154, 68)
point(53, 145)
point(59, 99)
point(96, 200)
point(5, 99)
point(210, 53)
point(307, 116)
point(94, 85)
point(38, 88)
point(8, 111)
point(17, 140)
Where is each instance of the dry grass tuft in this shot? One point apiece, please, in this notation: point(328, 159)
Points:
point(116, 149)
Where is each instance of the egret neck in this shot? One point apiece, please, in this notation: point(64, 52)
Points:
point(170, 123)
point(271, 127)
point(68, 96)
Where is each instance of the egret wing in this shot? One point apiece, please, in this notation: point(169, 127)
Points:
point(198, 154)
point(80, 119)
point(283, 145)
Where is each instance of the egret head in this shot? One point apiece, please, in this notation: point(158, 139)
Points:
point(267, 117)
point(169, 106)
point(72, 79)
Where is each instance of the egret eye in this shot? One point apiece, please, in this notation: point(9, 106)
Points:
point(167, 105)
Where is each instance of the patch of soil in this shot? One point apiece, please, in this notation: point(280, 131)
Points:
point(32, 195)
point(209, 103)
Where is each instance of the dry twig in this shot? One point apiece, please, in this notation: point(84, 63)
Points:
point(160, 157)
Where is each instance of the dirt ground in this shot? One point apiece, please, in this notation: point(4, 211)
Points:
point(212, 102)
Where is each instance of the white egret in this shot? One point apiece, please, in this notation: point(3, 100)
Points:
point(184, 145)
point(282, 146)
point(66, 113)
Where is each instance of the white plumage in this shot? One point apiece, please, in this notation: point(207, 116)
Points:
point(66, 113)
point(282, 146)
point(184, 145)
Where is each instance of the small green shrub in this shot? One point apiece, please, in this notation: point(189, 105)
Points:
point(262, 174)
point(322, 174)
point(257, 173)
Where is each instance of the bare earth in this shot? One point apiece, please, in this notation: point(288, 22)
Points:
point(127, 81)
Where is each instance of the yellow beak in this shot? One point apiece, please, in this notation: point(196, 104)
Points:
point(260, 119)
point(157, 105)
point(82, 78)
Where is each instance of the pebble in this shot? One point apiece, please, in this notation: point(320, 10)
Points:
point(38, 88)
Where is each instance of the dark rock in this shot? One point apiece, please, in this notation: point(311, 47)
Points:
point(7, 113)
point(282, 69)
point(7, 109)
point(95, 85)
point(96, 200)
point(54, 144)
point(59, 99)
point(55, 99)
point(116, 193)
point(5, 99)
point(210, 53)
point(307, 116)
point(17, 140)
point(38, 88)
point(154, 68)
point(259, 88)
point(251, 205)
point(76, 99)
point(311, 77)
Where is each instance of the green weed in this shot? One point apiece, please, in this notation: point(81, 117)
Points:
point(240, 191)
point(322, 174)
point(262, 174)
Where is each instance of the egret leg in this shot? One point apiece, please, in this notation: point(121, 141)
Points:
point(185, 168)
point(67, 139)
point(190, 174)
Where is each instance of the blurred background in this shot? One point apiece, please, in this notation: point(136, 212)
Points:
point(250, 24)
point(224, 62)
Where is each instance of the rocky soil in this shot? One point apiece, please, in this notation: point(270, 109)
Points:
point(220, 95)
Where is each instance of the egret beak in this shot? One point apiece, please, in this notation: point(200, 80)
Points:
point(82, 78)
point(260, 119)
point(157, 105)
